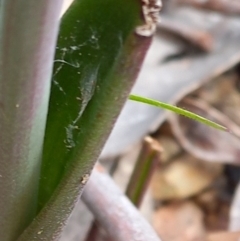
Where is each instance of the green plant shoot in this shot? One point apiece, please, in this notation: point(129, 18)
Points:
point(178, 110)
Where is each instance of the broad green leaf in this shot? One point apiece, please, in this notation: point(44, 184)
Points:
point(178, 110)
point(28, 33)
point(92, 37)
point(97, 59)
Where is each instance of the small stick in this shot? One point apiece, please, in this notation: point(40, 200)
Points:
point(95, 232)
point(147, 161)
point(114, 211)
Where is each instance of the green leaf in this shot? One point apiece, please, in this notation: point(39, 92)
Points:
point(91, 41)
point(98, 57)
point(178, 110)
point(28, 33)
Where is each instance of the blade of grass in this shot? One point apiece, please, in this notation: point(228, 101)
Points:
point(179, 111)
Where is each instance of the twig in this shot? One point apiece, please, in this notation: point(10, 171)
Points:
point(114, 211)
point(95, 232)
point(147, 160)
point(142, 173)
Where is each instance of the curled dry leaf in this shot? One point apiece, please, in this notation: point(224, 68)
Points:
point(223, 93)
point(203, 141)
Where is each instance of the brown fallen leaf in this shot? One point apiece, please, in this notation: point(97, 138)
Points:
point(170, 148)
point(181, 221)
point(224, 236)
point(183, 177)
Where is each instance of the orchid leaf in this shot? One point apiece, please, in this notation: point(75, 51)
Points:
point(98, 57)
